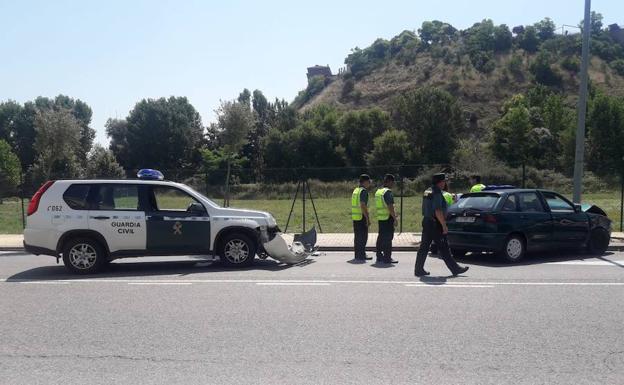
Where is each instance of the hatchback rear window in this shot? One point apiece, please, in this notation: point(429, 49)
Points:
point(76, 196)
point(480, 202)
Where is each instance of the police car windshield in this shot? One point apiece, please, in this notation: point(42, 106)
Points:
point(212, 203)
point(479, 202)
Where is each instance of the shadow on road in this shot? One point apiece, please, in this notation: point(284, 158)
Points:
point(491, 260)
point(147, 269)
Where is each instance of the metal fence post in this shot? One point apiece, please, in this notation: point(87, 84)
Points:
point(401, 207)
point(621, 201)
point(21, 190)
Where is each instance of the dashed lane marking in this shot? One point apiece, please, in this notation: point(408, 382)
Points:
point(45, 282)
point(448, 285)
point(293, 283)
point(161, 283)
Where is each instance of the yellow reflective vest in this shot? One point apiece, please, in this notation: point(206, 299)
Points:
point(381, 208)
point(356, 209)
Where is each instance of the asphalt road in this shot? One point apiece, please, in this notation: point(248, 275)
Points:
point(554, 320)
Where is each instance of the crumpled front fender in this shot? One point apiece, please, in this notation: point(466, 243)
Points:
point(278, 249)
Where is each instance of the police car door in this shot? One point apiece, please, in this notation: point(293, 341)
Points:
point(116, 214)
point(176, 222)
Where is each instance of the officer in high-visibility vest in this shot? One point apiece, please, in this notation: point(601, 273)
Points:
point(475, 183)
point(386, 217)
point(361, 220)
point(435, 229)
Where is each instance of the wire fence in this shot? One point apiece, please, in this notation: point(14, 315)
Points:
point(327, 193)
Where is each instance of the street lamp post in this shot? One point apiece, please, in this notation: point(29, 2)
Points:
point(582, 107)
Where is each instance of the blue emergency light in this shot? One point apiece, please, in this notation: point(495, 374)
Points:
point(150, 174)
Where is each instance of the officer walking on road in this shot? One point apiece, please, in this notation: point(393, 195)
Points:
point(434, 228)
point(386, 217)
point(475, 183)
point(361, 220)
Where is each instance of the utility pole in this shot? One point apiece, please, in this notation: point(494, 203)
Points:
point(582, 107)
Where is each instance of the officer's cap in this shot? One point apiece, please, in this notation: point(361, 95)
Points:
point(437, 178)
point(389, 177)
point(364, 177)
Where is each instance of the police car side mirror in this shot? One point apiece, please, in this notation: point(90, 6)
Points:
point(577, 208)
point(196, 208)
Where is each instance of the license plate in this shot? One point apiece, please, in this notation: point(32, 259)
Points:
point(465, 219)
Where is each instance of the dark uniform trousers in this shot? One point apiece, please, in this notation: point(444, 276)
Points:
point(384, 239)
point(432, 232)
point(360, 232)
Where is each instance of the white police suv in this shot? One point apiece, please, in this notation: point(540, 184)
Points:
point(92, 222)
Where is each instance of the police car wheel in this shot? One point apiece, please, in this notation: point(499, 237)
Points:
point(598, 241)
point(237, 250)
point(514, 248)
point(83, 256)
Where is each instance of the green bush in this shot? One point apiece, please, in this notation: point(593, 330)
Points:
point(618, 66)
point(571, 64)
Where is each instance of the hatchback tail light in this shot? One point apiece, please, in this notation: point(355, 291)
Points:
point(34, 202)
point(489, 218)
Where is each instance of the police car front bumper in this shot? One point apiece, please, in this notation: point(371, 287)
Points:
point(277, 248)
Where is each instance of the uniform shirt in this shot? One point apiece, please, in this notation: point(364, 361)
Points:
point(364, 196)
point(389, 198)
point(432, 201)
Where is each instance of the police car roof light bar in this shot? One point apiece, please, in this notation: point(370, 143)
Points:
point(150, 174)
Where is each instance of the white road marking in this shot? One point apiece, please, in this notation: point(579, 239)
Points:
point(45, 282)
point(589, 263)
point(161, 283)
point(293, 283)
point(447, 285)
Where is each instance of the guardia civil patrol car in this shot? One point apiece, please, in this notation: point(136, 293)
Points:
point(89, 223)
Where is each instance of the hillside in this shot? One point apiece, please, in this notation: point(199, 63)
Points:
point(457, 65)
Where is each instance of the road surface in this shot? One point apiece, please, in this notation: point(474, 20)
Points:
point(552, 320)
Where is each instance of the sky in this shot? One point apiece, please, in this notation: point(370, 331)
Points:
point(111, 54)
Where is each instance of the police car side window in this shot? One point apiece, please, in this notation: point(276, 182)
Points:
point(117, 197)
point(172, 199)
point(76, 196)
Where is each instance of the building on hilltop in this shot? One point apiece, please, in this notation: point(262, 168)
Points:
point(318, 70)
point(616, 33)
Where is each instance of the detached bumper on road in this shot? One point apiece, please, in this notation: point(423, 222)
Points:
point(278, 249)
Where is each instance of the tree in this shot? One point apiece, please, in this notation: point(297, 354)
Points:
point(432, 119)
point(117, 131)
point(102, 164)
point(606, 135)
point(391, 148)
point(356, 130)
point(17, 127)
point(10, 170)
point(436, 32)
point(503, 38)
point(57, 145)
point(235, 121)
point(158, 133)
point(545, 29)
point(544, 73)
point(511, 136)
point(529, 40)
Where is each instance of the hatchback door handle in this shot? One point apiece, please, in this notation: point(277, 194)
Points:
point(101, 217)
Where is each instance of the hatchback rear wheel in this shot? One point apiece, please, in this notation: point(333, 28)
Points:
point(514, 248)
